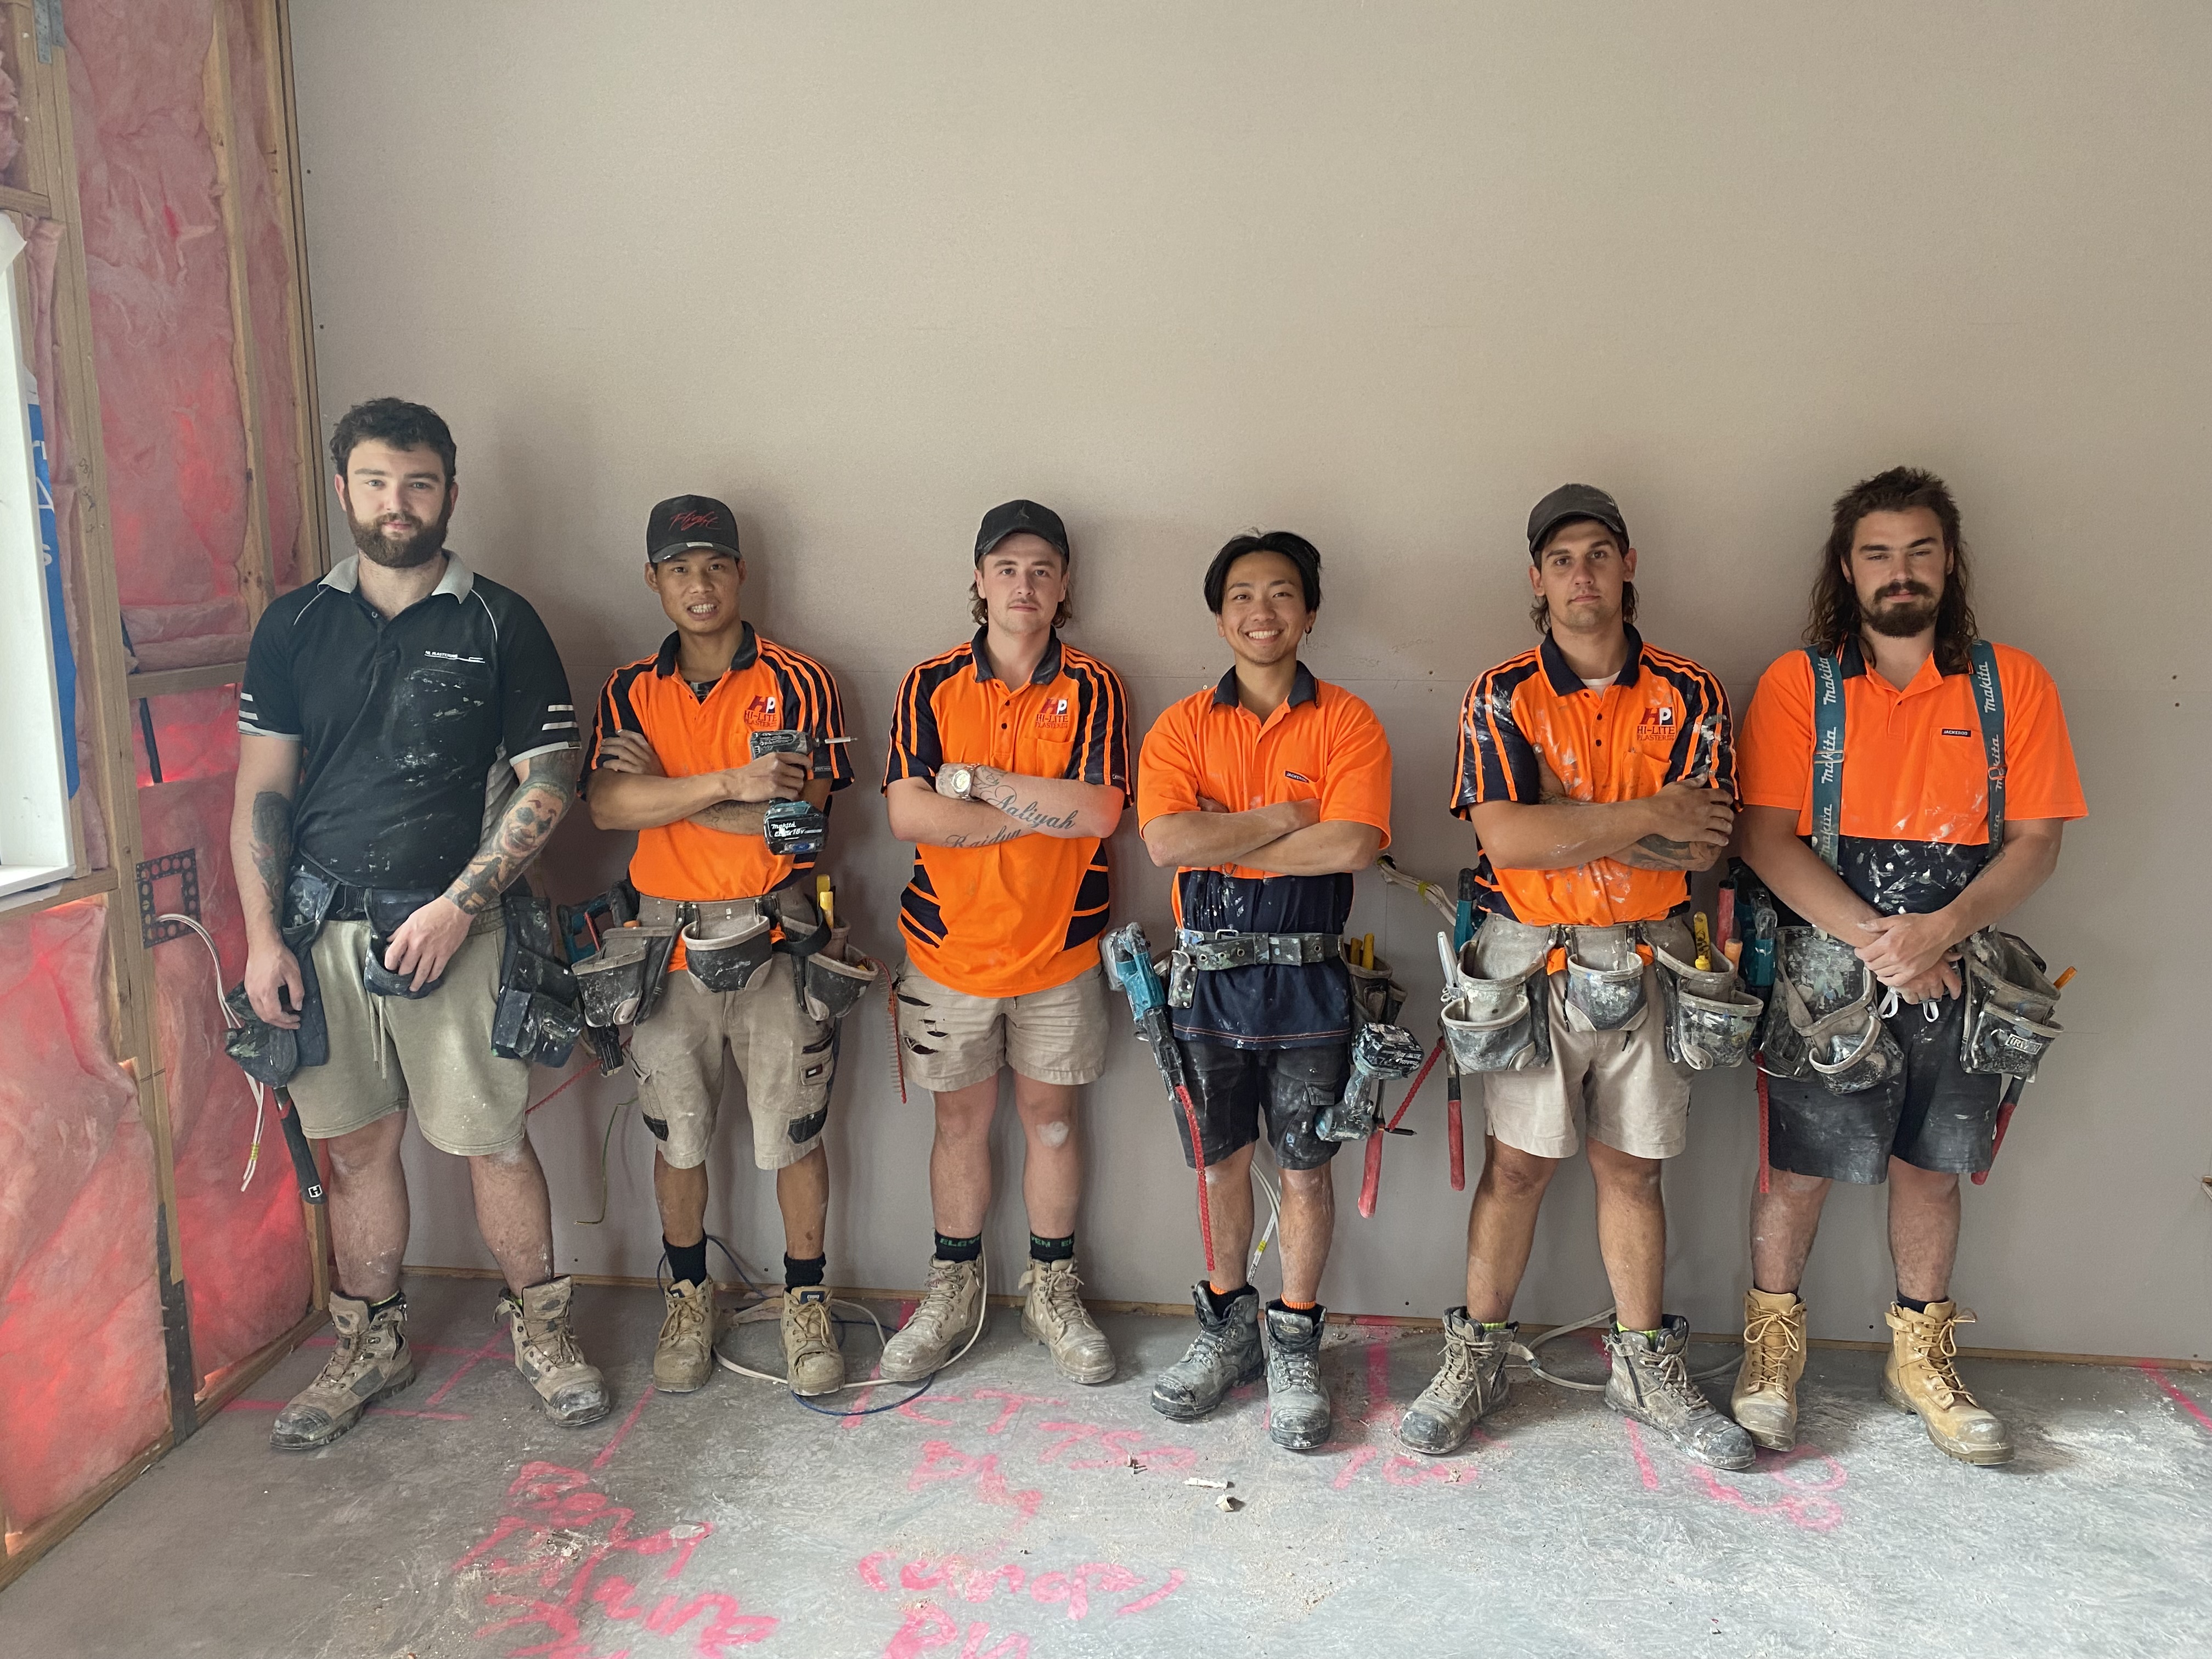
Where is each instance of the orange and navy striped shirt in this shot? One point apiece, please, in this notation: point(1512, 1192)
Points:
point(1662, 719)
point(766, 687)
point(1023, 916)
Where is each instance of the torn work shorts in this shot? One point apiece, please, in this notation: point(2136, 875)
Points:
point(950, 1040)
point(684, 1049)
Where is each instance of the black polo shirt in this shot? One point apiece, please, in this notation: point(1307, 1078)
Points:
point(409, 729)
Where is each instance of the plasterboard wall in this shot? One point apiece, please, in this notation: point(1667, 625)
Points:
point(1383, 275)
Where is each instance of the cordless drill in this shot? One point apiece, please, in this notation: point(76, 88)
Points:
point(791, 828)
point(1378, 1052)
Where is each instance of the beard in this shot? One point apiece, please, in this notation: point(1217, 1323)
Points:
point(1902, 611)
point(428, 541)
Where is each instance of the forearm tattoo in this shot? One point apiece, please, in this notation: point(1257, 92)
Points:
point(996, 788)
point(992, 839)
point(272, 845)
point(549, 789)
point(1658, 853)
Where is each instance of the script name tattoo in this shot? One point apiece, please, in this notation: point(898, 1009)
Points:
point(991, 840)
point(549, 788)
point(996, 788)
point(272, 845)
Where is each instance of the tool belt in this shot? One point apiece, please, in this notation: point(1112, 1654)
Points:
point(1710, 1020)
point(1825, 1020)
point(539, 1015)
point(271, 1054)
point(1197, 952)
point(2010, 1005)
point(1492, 1021)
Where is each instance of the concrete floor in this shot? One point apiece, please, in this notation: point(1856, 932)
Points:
point(1009, 1514)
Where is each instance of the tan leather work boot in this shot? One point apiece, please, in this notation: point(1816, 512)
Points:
point(950, 1310)
point(371, 1360)
point(683, 1353)
point(545, 1353)
point(1923, 1377)
point(812, 1361)
point(1054, 1316)
point(1765, 1398)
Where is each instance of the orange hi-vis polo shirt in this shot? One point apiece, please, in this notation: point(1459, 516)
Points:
point(766, 687)
point(1914, 827)
point(1324, 745)
point(1023, 916)
point(1662, 719)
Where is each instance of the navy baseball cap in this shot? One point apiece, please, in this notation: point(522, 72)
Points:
point(1015, 517)
point(686, 524)
point(1574, 501)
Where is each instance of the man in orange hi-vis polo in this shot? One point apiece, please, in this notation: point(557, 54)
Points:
point(1265, 793)
point(672, 758)
point(1009, 766)
point(1596, 769)
point(1913, 880)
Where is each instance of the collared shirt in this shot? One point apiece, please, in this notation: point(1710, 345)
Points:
point(1023, 916)
point(409, 729)
point(1914, 827)
point(766, 687)
point(1662, 719)
point(1323, 744)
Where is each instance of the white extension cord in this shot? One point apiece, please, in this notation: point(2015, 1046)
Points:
point(771, 1307)
point(230, 1023)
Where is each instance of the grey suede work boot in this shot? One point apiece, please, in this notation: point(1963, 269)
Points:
point(1227, 1352)
point(572, 1391)
point(1652, 1382)
point(371, 1360)
point(1467, 1386)
point(1297, 1405)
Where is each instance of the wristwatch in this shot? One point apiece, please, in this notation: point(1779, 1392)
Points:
point(956, 782)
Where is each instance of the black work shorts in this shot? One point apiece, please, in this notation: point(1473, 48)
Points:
point(1231, 1088)
point(1938, 1115)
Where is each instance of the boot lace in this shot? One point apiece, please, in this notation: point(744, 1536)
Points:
point(1059, 1289)
point(552, 1341)
point(1670, 1375)
point(350, 1354)
point(808, 1324)
point(1773, 1341)
point(686, 1317)
point(939, 1294)
point(1461, 1370)
point(1298, 1367)
point(1939, 1354)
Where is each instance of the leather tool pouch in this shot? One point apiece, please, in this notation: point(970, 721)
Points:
point(1494, 1017)
point(267, 1053)
point(834, 978)
point(1605, 978)
point(1710, 1020)
point(611, 984)
point(1822, 1020)
point(537, 1018)
point(2010, 1022)
point(1375, 997)
point(726, 944)
point(386, 909)
point(309, 893)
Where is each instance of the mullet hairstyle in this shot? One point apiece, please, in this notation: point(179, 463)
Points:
point(1294, 547)
point(1835, 617)
point(392, 420)
point(1539, 608)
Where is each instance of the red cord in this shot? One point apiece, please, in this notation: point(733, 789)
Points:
point(570, 1084)
point(1456, 1130)
point(1197, 1158)
point(1371, 1180)
point(2004, 1118)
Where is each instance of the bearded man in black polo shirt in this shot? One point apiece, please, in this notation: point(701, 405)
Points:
point(408, 743)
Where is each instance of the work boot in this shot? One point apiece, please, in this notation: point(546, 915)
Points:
point(1297, 1405)
point(371, 1360)
point(811, 1360)
point(1469, 1385)
point(1054, 1316)
point(545, 1353)
point(1227, 1352)
point(683, 1353)
point(1652, 1382)
point(1923, 1377)
point(1766, 1397)
point(950, 1305)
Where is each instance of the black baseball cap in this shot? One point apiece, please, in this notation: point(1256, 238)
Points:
point(1014, 517)
point(1574, 501)
point(684, 524)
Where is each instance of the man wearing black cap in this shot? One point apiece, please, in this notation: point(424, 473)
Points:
point(672, 758)
point(1009, 766)
point(1597, 770)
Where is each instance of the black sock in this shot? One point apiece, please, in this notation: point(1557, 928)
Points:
point(687, 1263)
point(397, 1299)
point(1052, 1250)
point(1219, 1300)
point(959, 1249)
point(800, 1272)
point(1905, 1301)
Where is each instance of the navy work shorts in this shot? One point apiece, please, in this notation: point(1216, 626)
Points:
point(1937, 1116)
point(1232, 1088)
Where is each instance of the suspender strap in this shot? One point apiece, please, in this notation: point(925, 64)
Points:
point(1827, 757)
point(1989, 703)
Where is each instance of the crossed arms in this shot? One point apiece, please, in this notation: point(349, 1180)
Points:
point(629, 791)
point(1685, 826)
point(1289, 838)
point(1001, 806)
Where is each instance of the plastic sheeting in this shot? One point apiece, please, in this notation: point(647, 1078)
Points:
point(83, 1369)
point(159, 272)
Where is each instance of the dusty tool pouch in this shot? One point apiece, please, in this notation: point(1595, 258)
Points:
point(262, 1049)
point(2010, 1022)
point(611, 983)
point(1495, 1015)
point(1823, 1021)
point(1375, 997)
point(834, 978)
point(267, 1053)
point(1711, 1020)
point(1605, 978)
point(537, 1017)
point(725, 945)
point(386, 908)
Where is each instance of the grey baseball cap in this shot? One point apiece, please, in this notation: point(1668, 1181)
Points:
point(1574, 501)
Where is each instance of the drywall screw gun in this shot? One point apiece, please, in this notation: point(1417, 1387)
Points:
point(1129, 960)
point(791, 828)
point(1378, 1053)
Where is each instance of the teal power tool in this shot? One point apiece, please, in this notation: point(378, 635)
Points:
point(1129, 960)
point(791, 828)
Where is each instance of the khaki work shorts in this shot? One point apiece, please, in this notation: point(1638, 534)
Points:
point(1615, 1086)
point(681, 1051)
point(432, 1054)
point(949, 1040)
